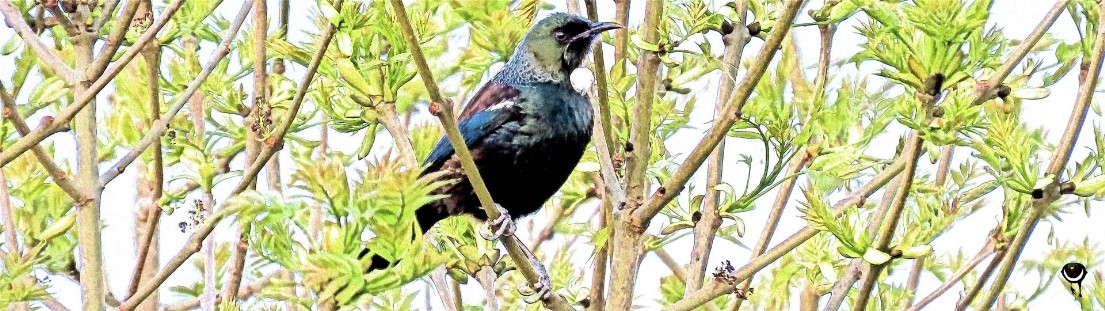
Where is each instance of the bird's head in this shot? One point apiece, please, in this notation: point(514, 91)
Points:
point(559, 42)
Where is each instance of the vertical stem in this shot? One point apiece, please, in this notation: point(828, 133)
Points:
point(706, 228)
point(88, 179)
point(486, 277)
point(942, 169)
point(6, 212)
point(621, 38)
point(601, 83)
point(207, 300)
point(261, 115)
point(890, 222)
point(627, 237)
point(148, 253)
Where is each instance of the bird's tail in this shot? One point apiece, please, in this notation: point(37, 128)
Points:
point(427, 216)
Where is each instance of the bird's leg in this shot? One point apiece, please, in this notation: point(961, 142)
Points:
point(498, 227)
point(542, 288)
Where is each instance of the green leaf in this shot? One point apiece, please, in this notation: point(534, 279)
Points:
point(875, 257)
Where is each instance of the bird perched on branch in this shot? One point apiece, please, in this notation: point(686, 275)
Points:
point(527, 129)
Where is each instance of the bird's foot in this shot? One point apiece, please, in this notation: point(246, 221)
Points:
point(541, 289)
point(498, 227)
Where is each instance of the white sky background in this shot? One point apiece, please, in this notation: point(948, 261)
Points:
point(1017, 18)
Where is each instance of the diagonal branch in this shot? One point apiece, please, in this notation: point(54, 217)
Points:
point(719, 287)
point(725, 121)
point(48, 56)
point(115, 39)
point(275, 141)
point(197, 238)
point(1055, 168)
point(986, 251)
point(60, 177)
point(514, 247)
point(62, 120)
point(159, 127)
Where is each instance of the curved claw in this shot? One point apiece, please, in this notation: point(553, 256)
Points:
point(498, 227)
point(536, 292)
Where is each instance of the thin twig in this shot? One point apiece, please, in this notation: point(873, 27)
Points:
point(9, 220)
point(62, 19)
point(116, 38)
point(244, 294)
point(890, 221)
point(60, 176)
point(725, 121)
point(275, 141)
point(450, 298)
point(159, 127)
point(677, 271)
point(955, 278)
point(261, 111)
point(942, 169)
point(14, 19)
point(106, 13)
point(190, 247)
point(399, 134)
point(62, 120)
point(514, 247)
point(210, 265)
point(147, 247)
point(718, 287)
point(601, 86)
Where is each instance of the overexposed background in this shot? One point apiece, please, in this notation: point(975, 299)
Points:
point(1016, 18)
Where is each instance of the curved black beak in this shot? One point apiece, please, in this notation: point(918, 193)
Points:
point(594, 29)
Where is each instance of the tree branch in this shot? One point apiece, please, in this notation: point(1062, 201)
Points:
point(890, 221)
point(261, 114)
point(955, 278)
point(146, 244)
point(705, 229)
point(626, 237)
point(190, 247)
point(14, 19)
point(116, 38)
point(275, 141)
point(60, 176)
point(721, 286)
point(1058, 162)
point(87, 96)
point(722, 124)
point(159, 127)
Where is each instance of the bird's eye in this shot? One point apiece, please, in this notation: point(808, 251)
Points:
point(560, 35)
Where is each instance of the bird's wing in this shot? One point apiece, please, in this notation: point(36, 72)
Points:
point(491, 95)
point(491, 107)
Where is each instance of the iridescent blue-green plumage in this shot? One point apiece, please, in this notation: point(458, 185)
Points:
point(527, 128)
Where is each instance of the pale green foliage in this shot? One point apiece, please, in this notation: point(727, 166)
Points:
point(339, 202)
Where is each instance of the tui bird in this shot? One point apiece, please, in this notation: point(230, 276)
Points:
point(527, 129)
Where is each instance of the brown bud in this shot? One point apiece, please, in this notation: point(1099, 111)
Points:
point(726, 27)
point(754, 29)
point(1003, 91)
point(938, 112)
